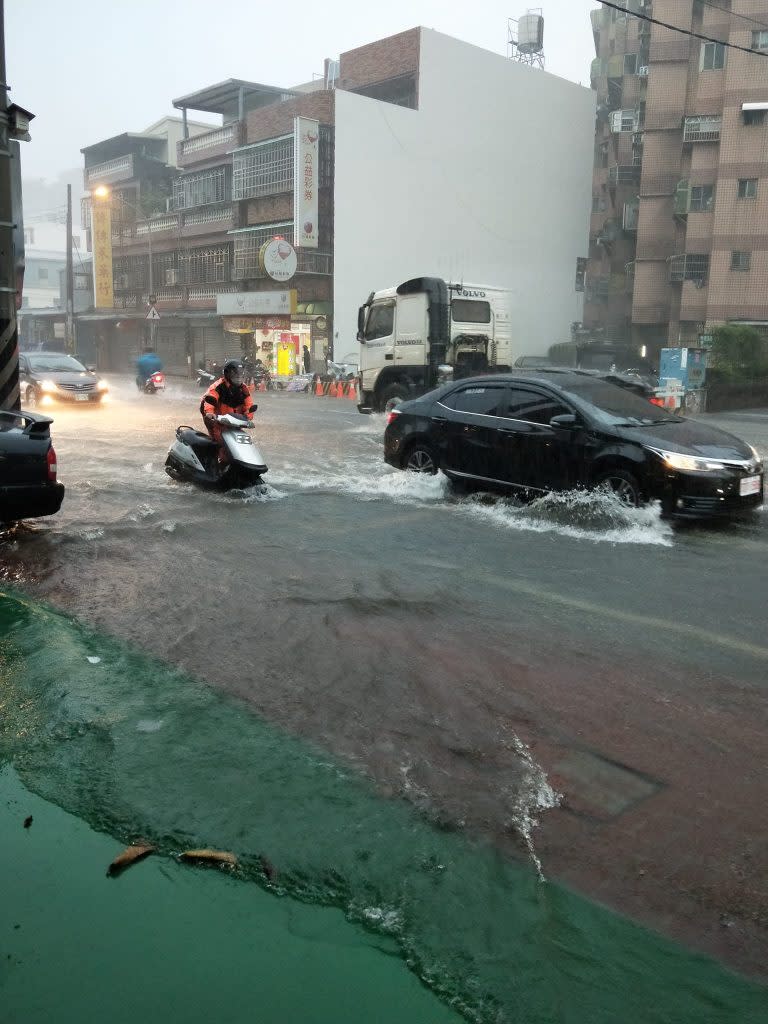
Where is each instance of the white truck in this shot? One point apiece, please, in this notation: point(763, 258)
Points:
point(427, 331)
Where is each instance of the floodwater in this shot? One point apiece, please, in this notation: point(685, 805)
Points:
point(382, 687)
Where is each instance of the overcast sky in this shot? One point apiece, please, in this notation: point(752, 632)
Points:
point(93, 68)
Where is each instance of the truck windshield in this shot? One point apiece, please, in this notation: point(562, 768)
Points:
point(381, 321)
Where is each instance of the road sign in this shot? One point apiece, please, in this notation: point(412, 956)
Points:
point(153, 314)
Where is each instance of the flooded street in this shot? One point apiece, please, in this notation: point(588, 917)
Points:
point(568, 662)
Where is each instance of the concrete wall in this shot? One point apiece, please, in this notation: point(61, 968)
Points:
point(489, 181)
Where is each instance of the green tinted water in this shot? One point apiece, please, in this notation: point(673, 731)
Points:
point(138, 750)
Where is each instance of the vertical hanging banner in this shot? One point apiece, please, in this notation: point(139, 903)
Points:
point(101, 226)
point(306, 136)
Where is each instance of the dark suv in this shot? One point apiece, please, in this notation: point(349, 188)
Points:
point(28, 485)
point(546, 431)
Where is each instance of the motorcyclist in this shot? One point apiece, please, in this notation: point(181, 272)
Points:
point(149, 362)
point(228, 394)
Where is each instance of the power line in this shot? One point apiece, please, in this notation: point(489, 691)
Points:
point(734, 14)
point(684, 31)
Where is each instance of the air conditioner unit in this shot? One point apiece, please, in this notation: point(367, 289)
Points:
point(172, 277)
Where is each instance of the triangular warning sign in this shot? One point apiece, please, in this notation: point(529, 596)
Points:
point(153, 314)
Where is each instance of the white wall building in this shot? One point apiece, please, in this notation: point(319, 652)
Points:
point(488, 181)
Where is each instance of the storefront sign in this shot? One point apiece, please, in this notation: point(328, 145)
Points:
point(101, 226)
point(251, 324)
point(306, 135)
point(239, 303)
point(277, 259)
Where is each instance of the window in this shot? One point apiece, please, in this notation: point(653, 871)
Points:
point(760, 40)
point(630, 63)
point(42, 273)
point(533, 406)
point(702, 198)
point(381, 321)
point(741, 260)
point(753, 117)
point(201, 189)
point(482, 401)
point(712, 57)
point(747, 188)
point(470, 311)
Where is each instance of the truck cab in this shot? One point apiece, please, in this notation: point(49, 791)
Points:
point(425, 331)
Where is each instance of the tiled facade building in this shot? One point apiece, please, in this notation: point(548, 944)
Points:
point(679, 225)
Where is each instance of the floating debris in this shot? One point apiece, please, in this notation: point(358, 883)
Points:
point(270, 872)
point(129, 856)
point(210, 857)
point(93, 659)
point(28, 821)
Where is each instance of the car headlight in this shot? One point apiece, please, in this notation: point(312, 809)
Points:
point(47, 385)
point(687, 463)
point(757, 455)
point(103, 386)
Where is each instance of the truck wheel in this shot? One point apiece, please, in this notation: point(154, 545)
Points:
point(393, 396)
point(421, 458)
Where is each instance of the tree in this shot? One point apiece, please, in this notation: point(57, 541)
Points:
point(739, 351)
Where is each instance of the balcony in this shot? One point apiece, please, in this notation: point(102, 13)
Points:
point(119, 169)
point(702, 128)
point(208, 145)
point(688, 267)
point(624, 174)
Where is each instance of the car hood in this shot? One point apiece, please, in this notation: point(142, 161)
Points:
point(689, 437)
point(66, 377)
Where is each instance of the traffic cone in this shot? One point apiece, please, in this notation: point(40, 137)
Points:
point(340, 389)
point(352, 393)
point(318, 388)
point(332, 389)
point(262, 385)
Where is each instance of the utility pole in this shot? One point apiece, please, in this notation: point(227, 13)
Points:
point(9, 334)
point(70, 327)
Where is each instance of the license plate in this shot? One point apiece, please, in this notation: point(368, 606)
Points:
point(749, 485)
point(81, 398)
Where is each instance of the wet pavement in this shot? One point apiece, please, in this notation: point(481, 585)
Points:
point(568, 661)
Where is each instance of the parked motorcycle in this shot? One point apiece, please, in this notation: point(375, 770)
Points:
point(154, 383)
point(193, 456)
point(205, 378)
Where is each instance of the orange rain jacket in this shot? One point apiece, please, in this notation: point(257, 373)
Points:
point(221, 398)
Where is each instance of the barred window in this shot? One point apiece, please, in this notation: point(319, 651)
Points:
point(747, 188)
point(702, 198)
point(702, 128)
point(206, 266)
point(201, 189)
point(263, 170)
point(759, 39)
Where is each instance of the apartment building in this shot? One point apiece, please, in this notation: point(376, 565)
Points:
point(679, 221)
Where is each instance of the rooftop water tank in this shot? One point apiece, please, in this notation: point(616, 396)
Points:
point(530, 33)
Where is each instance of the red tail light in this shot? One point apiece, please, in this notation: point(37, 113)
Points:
point(657, 401)
point(52, 465)
point(392, 414)
point(158, 378)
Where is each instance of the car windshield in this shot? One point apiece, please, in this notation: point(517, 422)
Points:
point(55, 364)
point(617, 407)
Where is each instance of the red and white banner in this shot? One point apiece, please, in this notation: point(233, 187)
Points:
point(306, 138)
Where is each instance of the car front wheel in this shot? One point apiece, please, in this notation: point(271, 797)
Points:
point(623, 486)
point(421, 458)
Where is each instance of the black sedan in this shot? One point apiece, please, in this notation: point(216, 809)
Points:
point(28, 484)
point(541, 432)
point(48, 377)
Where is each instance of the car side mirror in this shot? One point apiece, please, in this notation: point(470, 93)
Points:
point(565, 422)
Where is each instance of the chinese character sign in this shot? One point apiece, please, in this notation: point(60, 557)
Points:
point(306, 134)
point(101, 222)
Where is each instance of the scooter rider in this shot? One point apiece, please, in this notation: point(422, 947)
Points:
point(149, 362)
point(228, 394)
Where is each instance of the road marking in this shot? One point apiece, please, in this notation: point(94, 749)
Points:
point(682, 629)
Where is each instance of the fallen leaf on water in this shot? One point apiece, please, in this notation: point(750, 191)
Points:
point(129, 856)
point(210, 856)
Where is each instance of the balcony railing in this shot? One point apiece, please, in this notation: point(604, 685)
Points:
point(702, 128)
point(688, 267)
point(308, 262)
point(208, 140)
point(624, 174)
point(111, 170)
point(215, 215)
